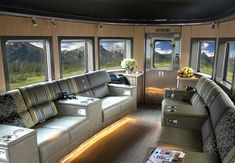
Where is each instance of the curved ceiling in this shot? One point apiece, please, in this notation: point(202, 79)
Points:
point(126, 11)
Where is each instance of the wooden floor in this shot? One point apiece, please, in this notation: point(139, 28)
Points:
point(129, 143)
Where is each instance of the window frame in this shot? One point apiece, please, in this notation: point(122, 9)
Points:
point(50, 65)
point(115, 38)
point(172, 55)
point(60, 38)
point(227, 48)
point(195, 64)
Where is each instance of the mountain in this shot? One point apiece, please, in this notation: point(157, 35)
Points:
point(24, 57)
point(206, 58)
point(111, 58)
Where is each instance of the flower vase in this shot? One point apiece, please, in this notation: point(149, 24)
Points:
point(129, 70)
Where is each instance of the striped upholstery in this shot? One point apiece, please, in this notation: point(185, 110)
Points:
point(34, 95)
point(39, 100)
point(43, 112)
point(78, 85)
point(68, 85)
point(53, 90)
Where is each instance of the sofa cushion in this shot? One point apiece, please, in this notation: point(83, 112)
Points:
point(206, 130)
point(225, 133)
point(182, 139)
point(210, 145)
point(111, 106)
point(113, 100)
point(101, 91)
point(13, 110)
point(53, 90)
point(73, 124)
point(98, 78)
point(51, 141)
point(201, 84)
point(35, 94)
point(219, 105)
point(82, 83)
point(197, 100)
point(43, 112)
point(99, 83)
point(68, 85)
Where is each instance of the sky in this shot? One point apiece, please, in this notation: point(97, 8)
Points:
point(232, 50)
point(107, 44)
point(71, 45)
point(163, 47)
point(208, 47)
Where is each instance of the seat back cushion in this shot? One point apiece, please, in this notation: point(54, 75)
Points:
point(202, 82)
point(13, 110)
point(43, 112)
point(225, 133)
point(39, 101)
point(196, 100)
point(68, 85)
point(208, 138)
point(208, 91)
point(53, 90)
point(218, 107)
point(99, 83)
point(82, 83)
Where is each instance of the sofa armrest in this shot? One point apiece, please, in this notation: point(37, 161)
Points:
point(122, 90)
point(92, 110)
point(76, 107)
point(178, 94)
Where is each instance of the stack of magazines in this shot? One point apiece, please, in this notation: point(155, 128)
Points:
point(160, 155)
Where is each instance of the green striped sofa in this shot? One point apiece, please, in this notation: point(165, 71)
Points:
point(34, 107)
point(211, 141)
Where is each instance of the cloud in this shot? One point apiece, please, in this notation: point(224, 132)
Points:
point(38, 44)
point(163, 51)
point(68, 45)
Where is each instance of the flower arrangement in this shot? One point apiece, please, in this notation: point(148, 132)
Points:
point(185, 72)
point(129, 64)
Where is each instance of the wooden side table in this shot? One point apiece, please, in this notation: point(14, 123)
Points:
point(184, 82)
point(137, 79)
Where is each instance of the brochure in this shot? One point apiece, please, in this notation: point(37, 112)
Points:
point(160, 155)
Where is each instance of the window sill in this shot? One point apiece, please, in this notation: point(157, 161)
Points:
point(226, 85)
point(203, 74)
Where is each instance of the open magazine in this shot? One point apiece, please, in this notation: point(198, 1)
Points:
point(160, 155)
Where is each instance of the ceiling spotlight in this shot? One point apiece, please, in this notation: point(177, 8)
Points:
point(34, 22)
point(100, 26)
point(213, 25)
point(53, 23)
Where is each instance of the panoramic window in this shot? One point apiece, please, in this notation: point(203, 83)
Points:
point(162, 56)
point(73, 57)
point(206, 56)
point(230, 55)
point(112, 52)
point(26, 62)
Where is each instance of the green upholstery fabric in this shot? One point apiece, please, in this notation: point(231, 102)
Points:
point(52, 90)
point(99, 81)
point(225, 133)
point(219, 105)
point(68, 85)
point(230, 157)
point(43, 112)
point(34, 95)
point(39, 99)
point(198, 157)
point(180, 139)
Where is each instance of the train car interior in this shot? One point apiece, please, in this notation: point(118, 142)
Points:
point(110, 81)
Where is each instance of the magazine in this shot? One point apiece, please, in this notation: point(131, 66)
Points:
point(160, 155)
